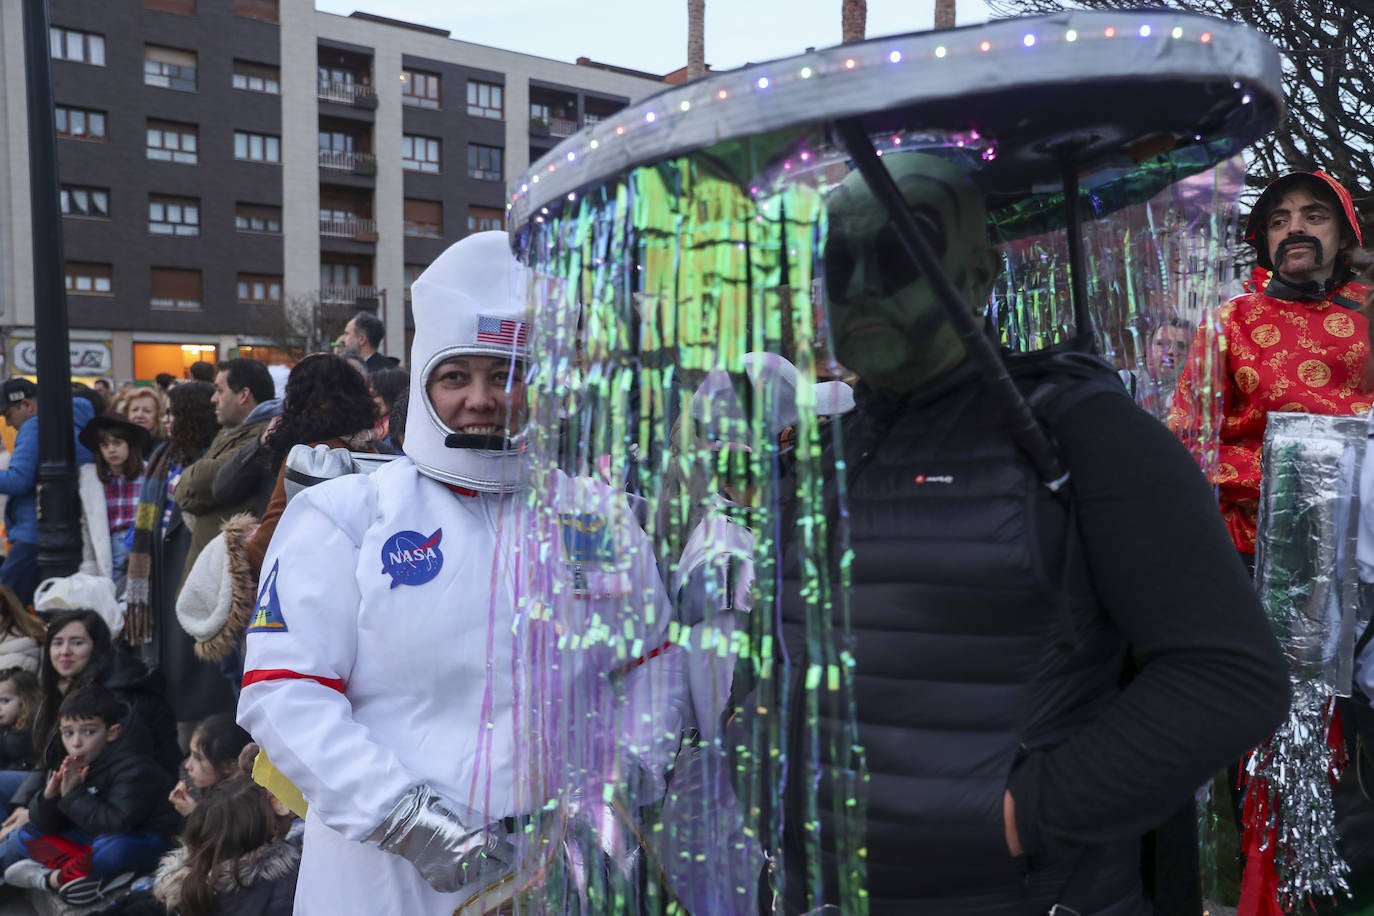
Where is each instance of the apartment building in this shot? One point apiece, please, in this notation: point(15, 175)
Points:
point(239, 176)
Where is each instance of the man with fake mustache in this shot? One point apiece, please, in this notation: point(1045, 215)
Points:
point(1294, 341)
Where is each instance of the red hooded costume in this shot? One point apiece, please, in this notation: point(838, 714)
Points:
point(1279, 346)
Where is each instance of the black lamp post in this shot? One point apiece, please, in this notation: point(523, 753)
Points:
point(59, 510)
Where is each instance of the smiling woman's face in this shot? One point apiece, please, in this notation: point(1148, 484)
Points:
point(479, 395)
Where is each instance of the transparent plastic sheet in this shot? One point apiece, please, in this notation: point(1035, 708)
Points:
point(646, 290)
point(1156, 271)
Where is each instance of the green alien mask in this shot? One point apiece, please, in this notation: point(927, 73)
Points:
point(887, 322)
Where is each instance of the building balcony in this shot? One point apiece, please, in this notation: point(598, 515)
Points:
point(364, 164)
point(350, 297)
point(562, 127)
point(359, 95)
point(356, 228)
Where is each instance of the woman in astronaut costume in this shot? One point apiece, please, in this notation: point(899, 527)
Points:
point(384, 662)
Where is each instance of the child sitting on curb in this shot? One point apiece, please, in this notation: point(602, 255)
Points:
point(103, 815)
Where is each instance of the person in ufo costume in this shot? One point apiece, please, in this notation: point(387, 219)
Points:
point(382, 666)
point(1012, 766)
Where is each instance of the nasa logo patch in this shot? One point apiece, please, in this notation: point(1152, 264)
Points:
point(410, 558)
point(586, 537)
point(268, 618)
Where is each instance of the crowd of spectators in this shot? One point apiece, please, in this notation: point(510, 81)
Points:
point(117, 733)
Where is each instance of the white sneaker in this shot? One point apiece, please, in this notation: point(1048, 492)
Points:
point(28, 873)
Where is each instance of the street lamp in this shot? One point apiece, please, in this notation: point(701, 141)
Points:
point(59, 508)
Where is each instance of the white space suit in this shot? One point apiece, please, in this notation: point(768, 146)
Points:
point(450, 632)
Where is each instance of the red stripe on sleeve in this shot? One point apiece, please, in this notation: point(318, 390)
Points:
point(653, 653)
point(285, 674)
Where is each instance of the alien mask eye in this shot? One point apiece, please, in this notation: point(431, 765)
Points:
point(894, 269)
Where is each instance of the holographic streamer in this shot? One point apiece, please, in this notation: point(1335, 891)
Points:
point(640, 288)
point(1305, 569)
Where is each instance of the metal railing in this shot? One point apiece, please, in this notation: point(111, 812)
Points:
point(346, 93)
point(348, 161)
point(348, 227)
point(353, 296)
point(562, 127)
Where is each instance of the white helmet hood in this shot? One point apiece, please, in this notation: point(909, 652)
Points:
point(471, 300)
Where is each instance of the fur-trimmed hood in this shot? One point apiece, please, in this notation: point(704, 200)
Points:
point(274, 861)
point(216, 602)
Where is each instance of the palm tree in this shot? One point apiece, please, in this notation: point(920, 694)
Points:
point(853, 20)
point(696, 39)
point(944, 14)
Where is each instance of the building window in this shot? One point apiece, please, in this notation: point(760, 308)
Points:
point(173, 215)
point(257, 147)
point(257, 218)
point(82, 47)
point(170, 142)
point(174, 288)
point(257, 77)
point(256, 9)
point(337, 141)
point(90, 279)
point(169, 68)
point(420, 88)
point(260, 289)
point(79, 200)
point(484, 219)
point(484, 162)
point(336, 274)
point(420, 154)
point(424, 218)
point(80, 123)
point(413, 272)
point(184, 7)
point(485, 100)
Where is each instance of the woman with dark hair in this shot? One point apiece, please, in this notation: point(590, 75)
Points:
point(80, 653)
point(157, 555)
point(327, 403)
point(388, 387)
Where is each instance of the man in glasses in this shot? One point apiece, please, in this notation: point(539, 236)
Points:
point(994, 621)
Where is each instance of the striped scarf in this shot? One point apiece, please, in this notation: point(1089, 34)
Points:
point(138, 619)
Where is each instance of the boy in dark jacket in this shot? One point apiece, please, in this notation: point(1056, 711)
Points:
point(103, 815)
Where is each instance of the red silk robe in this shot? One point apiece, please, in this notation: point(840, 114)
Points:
point(1261, 354)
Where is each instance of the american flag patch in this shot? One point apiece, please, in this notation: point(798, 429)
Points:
point(501, 331)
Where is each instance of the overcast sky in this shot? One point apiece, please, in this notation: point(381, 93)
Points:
point(652, 34)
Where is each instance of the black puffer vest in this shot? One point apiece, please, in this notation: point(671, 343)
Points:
point(976, 638)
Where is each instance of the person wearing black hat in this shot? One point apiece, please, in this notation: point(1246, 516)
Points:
point(19, 404)
point(1295, 340)
point(109, 491)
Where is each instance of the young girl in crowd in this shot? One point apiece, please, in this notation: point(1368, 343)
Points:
point(109, 493)
point(235, 859)
point(19, 697)
point(215, 747)
point(21, 633)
